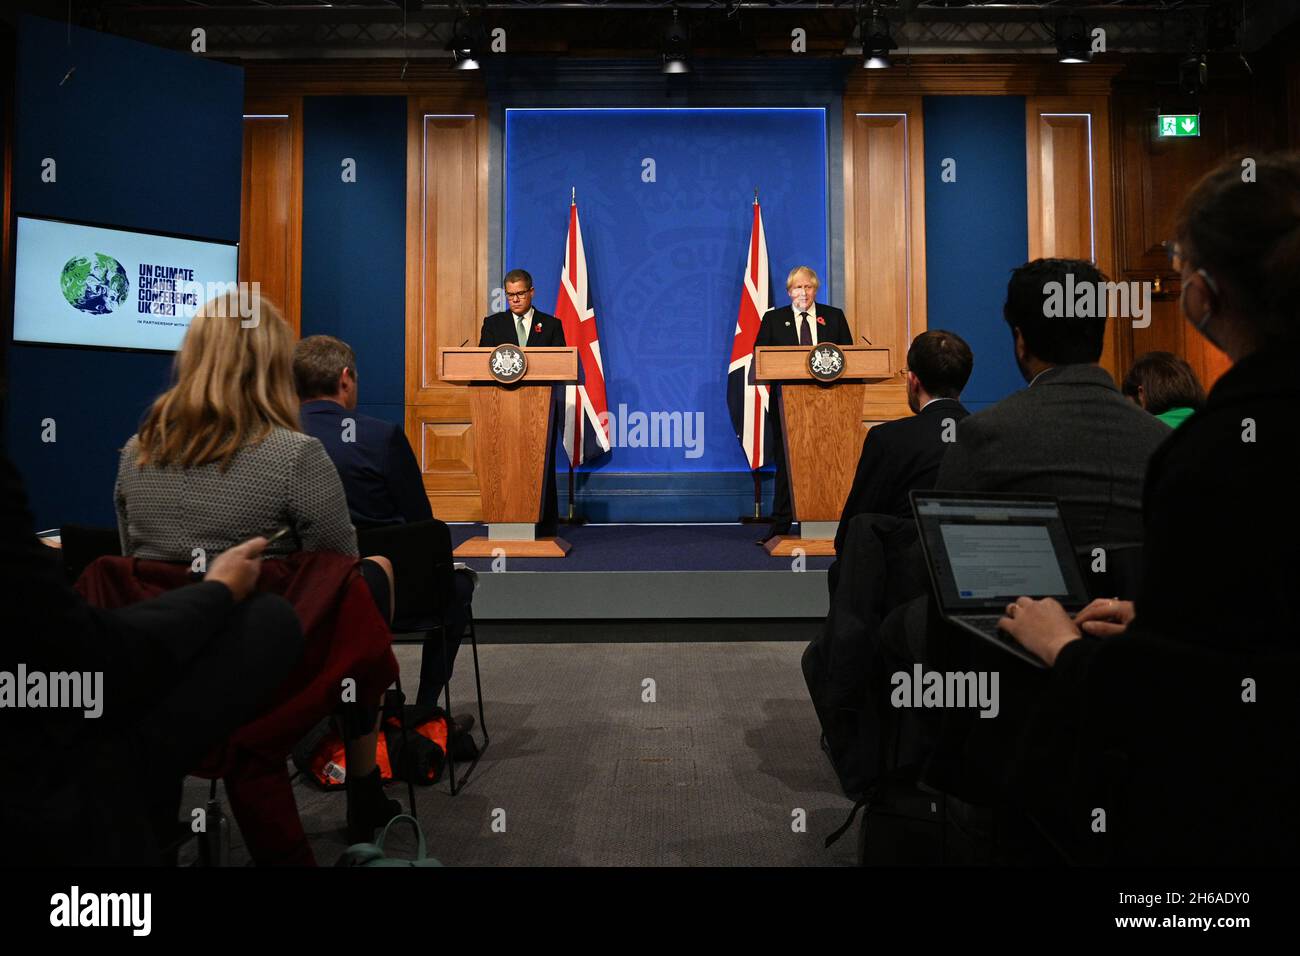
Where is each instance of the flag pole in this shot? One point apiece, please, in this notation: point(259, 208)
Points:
point(757, 517)
point(572, 519)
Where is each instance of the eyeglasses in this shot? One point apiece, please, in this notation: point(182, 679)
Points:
point(518, 295)
point(1177, 260)
point(1175, 254)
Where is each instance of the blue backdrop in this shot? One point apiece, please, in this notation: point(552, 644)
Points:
point(666, 258)
point(976, 230)
point(131, 150)
point(354, 239)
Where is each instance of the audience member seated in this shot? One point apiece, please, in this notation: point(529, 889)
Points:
point(98, 781)
point(1069, 434)
point(218, 458)
point(896, 457)
point(1164, 385)
point(901, 455)
point(1221, 564)
point(381, 479)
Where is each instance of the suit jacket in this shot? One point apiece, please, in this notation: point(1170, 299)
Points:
point(499, 329)
point(1071, 434)
point(380, 475)
point(778, 326)
point(896, 457)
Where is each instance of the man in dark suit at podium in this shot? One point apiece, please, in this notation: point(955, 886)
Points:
point(802, 322)
point(903, 455)
point(524, 326)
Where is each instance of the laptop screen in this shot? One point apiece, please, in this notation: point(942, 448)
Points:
point(985, 552)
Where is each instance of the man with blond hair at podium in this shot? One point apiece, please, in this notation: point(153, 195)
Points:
point(526, 327)
point(803, 322)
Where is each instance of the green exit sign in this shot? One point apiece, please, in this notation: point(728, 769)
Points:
point(1180, 124)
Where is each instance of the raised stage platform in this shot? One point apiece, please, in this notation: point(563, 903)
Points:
point(655, 582)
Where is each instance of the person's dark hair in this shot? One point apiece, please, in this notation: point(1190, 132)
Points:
point(1246, 234)
point(942, 361)
point(318, 361)
point(518, 275)
point(1060, 340)
point(1166, 380)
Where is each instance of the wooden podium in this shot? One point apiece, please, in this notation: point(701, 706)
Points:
point(514, 428)
point(821, 427)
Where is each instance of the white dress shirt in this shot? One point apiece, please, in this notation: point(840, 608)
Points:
point(812, 320)
point(528, 317)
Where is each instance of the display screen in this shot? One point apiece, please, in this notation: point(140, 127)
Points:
point(112, 288)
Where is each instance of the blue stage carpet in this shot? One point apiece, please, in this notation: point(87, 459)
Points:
point(655, 547)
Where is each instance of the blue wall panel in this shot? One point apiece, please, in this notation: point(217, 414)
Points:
point(354, 239)
point(143, 138)
point(976, 229)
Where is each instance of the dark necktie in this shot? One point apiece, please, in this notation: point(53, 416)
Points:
point(805, 330)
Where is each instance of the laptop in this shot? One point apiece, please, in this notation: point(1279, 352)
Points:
point(986, 550)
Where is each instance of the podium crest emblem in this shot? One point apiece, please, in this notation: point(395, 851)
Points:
point(826, 362)
point(507, 363)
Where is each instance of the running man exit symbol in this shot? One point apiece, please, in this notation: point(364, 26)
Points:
point(1180, 124)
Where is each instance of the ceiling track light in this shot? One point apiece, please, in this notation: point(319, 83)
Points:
point(676, 50)
point(1073, 41)
point(877, 42)
point(468, 42)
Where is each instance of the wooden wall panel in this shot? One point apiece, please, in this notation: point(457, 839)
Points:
point(1071, 212)
point(270, 226)
point(884, 235)
point(446, 288)
point(1152, 177)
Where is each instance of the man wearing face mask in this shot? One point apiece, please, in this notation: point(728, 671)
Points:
point(1216, 609)
point(803, 322)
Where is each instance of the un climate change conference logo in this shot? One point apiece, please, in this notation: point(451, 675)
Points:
point(96, 284)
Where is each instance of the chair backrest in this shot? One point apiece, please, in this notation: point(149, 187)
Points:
point(82, 544)
point(422, 569)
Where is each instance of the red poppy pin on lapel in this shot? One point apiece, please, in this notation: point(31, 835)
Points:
point(537, 327)
point(821, 320)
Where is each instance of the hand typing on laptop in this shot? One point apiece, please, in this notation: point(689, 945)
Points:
point(1040, 627)
point(1105, 617)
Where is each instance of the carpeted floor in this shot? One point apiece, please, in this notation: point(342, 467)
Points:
point(583, 772)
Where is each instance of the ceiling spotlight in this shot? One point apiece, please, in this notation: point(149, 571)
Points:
point(676, 47)
point(1073, 42)
point(876, 42)
point(468, 41)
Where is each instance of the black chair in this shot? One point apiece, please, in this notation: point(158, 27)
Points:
point(82, 544)
point(424, 587)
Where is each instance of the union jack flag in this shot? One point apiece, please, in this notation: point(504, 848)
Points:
point(747, 400)
point(585, 435)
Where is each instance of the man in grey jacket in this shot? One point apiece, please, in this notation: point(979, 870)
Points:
point(1071, 433)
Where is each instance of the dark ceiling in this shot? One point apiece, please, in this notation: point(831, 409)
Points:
point(296, 29)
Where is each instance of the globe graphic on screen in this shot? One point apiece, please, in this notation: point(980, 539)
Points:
point(96, 284)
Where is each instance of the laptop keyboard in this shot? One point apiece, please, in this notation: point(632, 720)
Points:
point(985, 624)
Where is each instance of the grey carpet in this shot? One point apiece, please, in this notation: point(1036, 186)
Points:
point(588, 774)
